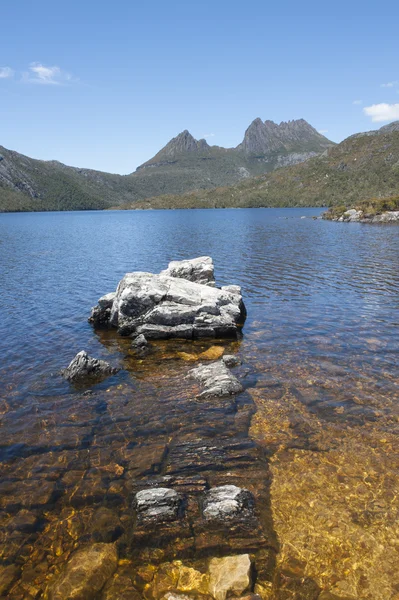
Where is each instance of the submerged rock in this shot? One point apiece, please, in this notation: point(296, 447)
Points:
point(8, 574)
point(105, 525)
point(199, 270)
point(85, 574)
point(158, 504)
point(216, 379)
point(227, 501)
point(102, 312)
point(169, 305)
point(230, 575)
point(140, 342)
point(231, 361)
point(84, 365)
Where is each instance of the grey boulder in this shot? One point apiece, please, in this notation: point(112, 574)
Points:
point(199, 270)
point(83, 366)
point(216, 379)
point(230, 360)
point(158, 505)
point(167, 306)
point(227, 501)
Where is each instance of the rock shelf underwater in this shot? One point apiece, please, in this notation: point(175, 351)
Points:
point(311, 447)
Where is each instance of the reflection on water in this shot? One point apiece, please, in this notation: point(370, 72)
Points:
point(313, 436)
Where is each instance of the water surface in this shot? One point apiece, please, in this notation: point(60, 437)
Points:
point(320, 367)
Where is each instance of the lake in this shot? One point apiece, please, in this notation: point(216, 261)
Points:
point(314, 436)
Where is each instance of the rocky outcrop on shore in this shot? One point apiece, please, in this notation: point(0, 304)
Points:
point(359, 216)
point(180, 302)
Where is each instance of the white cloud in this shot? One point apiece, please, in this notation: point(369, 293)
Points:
point(357, 102)
point(390, 84)
point(382, 112)
point(6, 73)
point(323, 131)
point(39, 73)
point(208, 135)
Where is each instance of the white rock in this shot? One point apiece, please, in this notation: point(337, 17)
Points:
point(216, 379)
point(229, 575)
point(157, 504)
point(199, 269)
point(165, 306)
point(227, 501)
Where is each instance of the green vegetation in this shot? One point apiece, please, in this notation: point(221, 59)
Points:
point(370, 208)
point(362, 166)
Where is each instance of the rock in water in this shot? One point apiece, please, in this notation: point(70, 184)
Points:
point(216, 379)
point(85, 574)
point(228, 501)
point(230, 575)
point(139, 342)
point(199, 270)
point(158, 504)
point(8, 574)
point(84, 365)
point(172, 306)
point(231, 361)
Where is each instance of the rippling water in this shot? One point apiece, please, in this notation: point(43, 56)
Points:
point(320, 352)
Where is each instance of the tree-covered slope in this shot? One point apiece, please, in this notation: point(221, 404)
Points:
point(361, 167)
point(184, 164)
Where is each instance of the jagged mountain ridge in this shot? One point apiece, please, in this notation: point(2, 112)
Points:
point(363, 166)
point(261, 140)
point(182, 143)
point(182, 165)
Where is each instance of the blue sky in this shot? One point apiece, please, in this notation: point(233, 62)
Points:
point(106, 84)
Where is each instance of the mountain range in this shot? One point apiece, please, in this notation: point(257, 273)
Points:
point(364, 166)
point(183, 165)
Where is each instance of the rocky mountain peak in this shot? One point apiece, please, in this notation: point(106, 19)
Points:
point(263, 138)
point(181, 144)
point(394, 126)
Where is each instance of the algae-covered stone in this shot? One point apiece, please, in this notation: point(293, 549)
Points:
point(165, 579)
point(105, 525)
point(230, 575)
point(213, 353)
point(120, 587)
point(85, 574)
point(191, 580)
point(8, 574)
point(264, 591)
